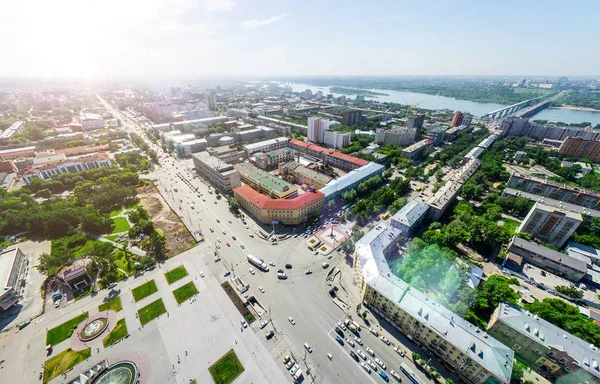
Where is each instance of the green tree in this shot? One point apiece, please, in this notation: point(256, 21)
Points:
point(234, 206)
point(517, 374)
point(156, 248)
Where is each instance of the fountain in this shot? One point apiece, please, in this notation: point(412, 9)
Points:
point(93, 329)
point(123, 372)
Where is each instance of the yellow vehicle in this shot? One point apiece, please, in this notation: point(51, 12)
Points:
point(385, 215)
point(286, 359)
point(419, 188)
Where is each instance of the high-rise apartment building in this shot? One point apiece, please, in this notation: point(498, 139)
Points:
point(466, 120)
point(550, 224)
point(578, 147)
point(211, 99)
point(351, 117)
point(401, 137)
point(336, 139)
point(415, 121)
point(316, 129)
point(457, 119)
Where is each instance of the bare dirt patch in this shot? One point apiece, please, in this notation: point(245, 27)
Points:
point(166, 221)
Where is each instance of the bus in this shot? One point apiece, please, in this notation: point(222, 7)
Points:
point(412, 376)
point(258, 263)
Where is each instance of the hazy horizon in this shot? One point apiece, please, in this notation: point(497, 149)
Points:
point(162, 39)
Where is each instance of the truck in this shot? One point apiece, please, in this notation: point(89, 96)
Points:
point(258, 263)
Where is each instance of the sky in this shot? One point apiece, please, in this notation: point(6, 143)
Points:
point(244, 38)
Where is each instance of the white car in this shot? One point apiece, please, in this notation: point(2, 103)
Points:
point(395, 375)
point(263, 324)
point(261, 289)
point(358, 340)
point(244, 324)
point(201, 274)
point(380, 362)
point(251, 271)
point(294, 369)
point(361, 354)
point(223, 232)
point(399, 351)
point(372, 365)
point(366, 367)
point(292, 321)
point(385, 340)
point(350, 342)
point(290, 364)
point(242, 246)
point(272, 264)
point(370, 351)
point(374, 331)
point(308, 347)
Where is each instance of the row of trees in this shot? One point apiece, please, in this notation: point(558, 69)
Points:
point(134, 162)
point(141, 143)
point(372, 197)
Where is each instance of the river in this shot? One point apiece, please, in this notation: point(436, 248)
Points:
point(425, 101)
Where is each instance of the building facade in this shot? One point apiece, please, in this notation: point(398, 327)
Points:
point(69, 165)
point(579, 147)
point(336, 139)
point(400, 137)
point(549, 224)
point(329, 156)
point(219, 173)
point(266, 146)
point(351, 117)
point(457, 118)
point(13, 267)
point(273, 158)
point(515, 126)
point(316, 129)
point(415, 150)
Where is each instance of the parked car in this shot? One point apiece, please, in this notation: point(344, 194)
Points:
point(358, 340)
point(361, 354)
point(269, 334)
point(244, 324)
point(291, 320)
point(395, 375)
point(370, 351)
point(288, 266)
point(380, 362)
point(354, 356)
point(350, 342)
point(374, 331)
point(339, 331)
point(384, 376)
point(263, 324)
point(308, 347)
point(385, 340)
point(339, 340)
point(365, 367)
point(227, 273)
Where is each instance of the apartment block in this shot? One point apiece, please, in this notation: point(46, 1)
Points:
point(545, 348)
point(415, 150)
point(317, 127)
point(186, 148)
point(409, 217)
point(336, 139)
point(550, 224)
point(457, 119)
point(329, 156)
point(351, 117)
point(579, 147)
point(16, 127)
point(400, 137)
point(219, 173)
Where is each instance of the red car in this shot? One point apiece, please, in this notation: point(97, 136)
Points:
point(228, 244)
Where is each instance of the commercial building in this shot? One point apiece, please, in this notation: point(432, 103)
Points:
point(336, 139)
point(515, 126)
point(351, 117)
point(446, 195)
point(219, 173)
point(550, 224)
point(316, 129)
point(464, 349)
point(330, 157)
point(91, 121)
point(227, 154)
point(186, 148)
point(409, 217)
point(189, 125)
point(554, 190)
point(272, 158)
point(266, 146)
point(16, 127)
point(400, 137)
point(415, 150)
point(69, 165)
point(579, 147)
point(457, 119)
point(13, 270)
point(584, 211)
point(266, 183)
point(581, 251)
point(300, 174)
point(267, 210)
point(560, 264)
point(545, 348)
point(334, 189)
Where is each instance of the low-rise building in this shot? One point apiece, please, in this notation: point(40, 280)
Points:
point(227, 154)
point(415, 150)
point(69, 165)
point(584, 211)
point(16, 127)
point(303, 175)
point(272, 158)
point(545, 348)
point(187, 148)
point(334, 189)
point(13, 273)
point(550, 224)
point(560, 264)
point(219, 173)
point(329, 156)
point(437, 134)
point(189, 125)
point(409, 217)
point(91, 121)
point(8, 154)
point(267, 210)
point(266, 146)
point(266, 183)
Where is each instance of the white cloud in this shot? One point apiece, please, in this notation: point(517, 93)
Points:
point(255, 23)
point(217, 5)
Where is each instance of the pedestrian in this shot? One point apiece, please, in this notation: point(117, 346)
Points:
point(167, 314)
point(186, 353)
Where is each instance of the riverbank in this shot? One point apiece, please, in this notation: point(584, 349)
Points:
point(574, 108)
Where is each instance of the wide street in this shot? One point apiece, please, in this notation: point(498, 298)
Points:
point(303, 297)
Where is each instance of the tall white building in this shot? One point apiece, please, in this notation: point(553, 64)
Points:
point(316, 129)
point(336, 139)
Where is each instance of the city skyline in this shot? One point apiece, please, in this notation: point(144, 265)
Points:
point(165, 39)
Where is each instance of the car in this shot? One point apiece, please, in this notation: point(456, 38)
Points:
point(384, 376)
point(223, 232)
point(354, 356)
point(385, 340)
point(291, 320)
point(242, 246)
point(201, 274)
point(251, 235)
point(263, 324)
point(543, 273)
point(218, 221)
point(350, 342)
point(282, 276)
point(233, 237)
point(111, 285)
point(227, 273)
point(229, 221)
point(399, 351)
point(307, 272)
point(244, 324)
point(215, 202)
point(269, 334)
point(370, 351)
point(325, 265)
point(280, 270)
point(261, 289)
point(251, 270)
point(288, 266)
point(361, 354)
point(380, 362)
point(212, 230)
point(274, 243)
point(272, 264)
point(294, 369)
point(339, 340)
point(339, 331)
point(358, 340)
point(218, 240)
point(395, 375)
point(374, 331)
point(308, 347)
point(315, 253)
point(365, 367)
point(342, 326)
point(290, 364)
point(229, 245)
point(57, 303)
point(372, 365)
point(286, 359)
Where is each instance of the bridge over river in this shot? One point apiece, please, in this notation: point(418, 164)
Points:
point(525, 108)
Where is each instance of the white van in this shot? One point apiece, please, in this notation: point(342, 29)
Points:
point(325, 265)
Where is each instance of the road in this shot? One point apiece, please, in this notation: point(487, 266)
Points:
point(303, 297)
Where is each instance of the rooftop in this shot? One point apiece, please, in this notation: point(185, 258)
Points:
point(552, 202)
point(265, 143)
point(266, 202)
point(322, 178)
point(410, 213)
point(352, 177)
point(195, 121)
point(416, 146)
point(259, 176)
point(7, 261)
point(549, 254)
point(212, 162)
point(329, 152)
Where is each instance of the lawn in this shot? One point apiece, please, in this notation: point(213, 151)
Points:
point(511, 225)
point(176, 274)
point(111, 305)
point(185, 292)
point(120, 225)
point(115, 212)
point(65, 330)
point(144, 290)
point(226, 369)
point(122, 260)
point(239, 304)
point(116, 334)
point(57, 364)
point(151, 311)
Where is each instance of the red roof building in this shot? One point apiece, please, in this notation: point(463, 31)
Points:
point(329, 156)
